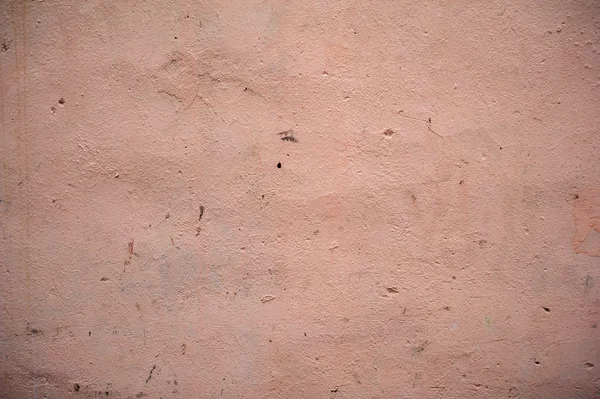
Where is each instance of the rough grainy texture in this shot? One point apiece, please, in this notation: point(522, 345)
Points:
point(300, 199)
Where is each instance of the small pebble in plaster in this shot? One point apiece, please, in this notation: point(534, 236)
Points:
point(267, 298)
point(392, 290)
point(104, 279)
point(279, 165)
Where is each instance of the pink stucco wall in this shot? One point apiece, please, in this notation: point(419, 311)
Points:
point(300, 199)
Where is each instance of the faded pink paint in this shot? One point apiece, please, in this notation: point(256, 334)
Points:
point(421, 237)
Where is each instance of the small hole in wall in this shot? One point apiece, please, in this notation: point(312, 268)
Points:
point(90, 334)
point(279, 165)
point(537, 362)
point(76, 387)
point(546, 309)
point(61, 101)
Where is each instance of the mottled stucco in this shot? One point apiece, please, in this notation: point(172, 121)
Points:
point(309, 199)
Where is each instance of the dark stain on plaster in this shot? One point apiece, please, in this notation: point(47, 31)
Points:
point(288, 135)
point(150, 375)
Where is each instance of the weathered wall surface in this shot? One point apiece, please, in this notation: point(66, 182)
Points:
point(311, 199)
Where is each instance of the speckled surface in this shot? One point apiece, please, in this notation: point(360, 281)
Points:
point(275, 199)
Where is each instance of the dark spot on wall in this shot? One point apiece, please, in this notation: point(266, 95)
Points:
point(150, 375)
point(76, 387)
point(288, 135)
point(589, 365)
point(537, 362)
point(334, 389)
point(420, 348)
point(61, 101)
point(89, 333)
point(388, 132)
point(5, 45)
point(279, 164)
point(547, 310)
point(140, 394)
point(183, 349)
point(461, 182)
point(393, 290)
point(33, 331)
point(201, 213)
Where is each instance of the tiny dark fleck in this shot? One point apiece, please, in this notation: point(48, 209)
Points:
point(175, 37)
point(245, 89)
point(305, 334)
point(576, 196)
point(461, 182)
point(388, 132)
point(546, 309)
point(334, 390)
point(61, 101)
point(270, 340)
point(589, 365)
point(106, 393)
point(76, 387)
point(453, 277)
point(90, 333)
point(537, 362)
point(279, 164)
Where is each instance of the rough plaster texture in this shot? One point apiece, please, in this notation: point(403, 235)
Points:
point(432, 229)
